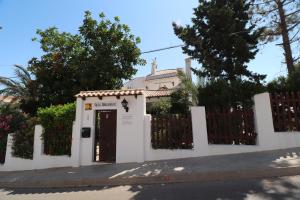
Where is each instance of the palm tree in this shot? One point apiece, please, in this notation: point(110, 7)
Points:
point(17, 86)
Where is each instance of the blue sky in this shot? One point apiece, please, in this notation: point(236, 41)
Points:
point(150, 20)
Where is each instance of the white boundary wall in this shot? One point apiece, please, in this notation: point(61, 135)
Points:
point(130, 127)
point(134, 137)
point(267, 138)
point(39, 161)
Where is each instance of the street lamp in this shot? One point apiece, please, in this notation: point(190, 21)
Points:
point(125, 105)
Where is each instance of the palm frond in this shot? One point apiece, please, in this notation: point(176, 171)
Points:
point(18, 87)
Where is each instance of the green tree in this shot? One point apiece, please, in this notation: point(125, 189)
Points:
point(281, 19)
point(180, 101)
point(160, 108)
point(221, 39)
point(100, 56)
point(17, 86)
point(185, 95)
point(23, 87)
point(289, 83)
point(220, 94)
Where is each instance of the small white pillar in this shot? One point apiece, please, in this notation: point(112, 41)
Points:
point(264, 120)
point(38, 145)
point(199, 130)
point(76, 133)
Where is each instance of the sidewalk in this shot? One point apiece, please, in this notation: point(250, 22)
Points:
point(228, 167)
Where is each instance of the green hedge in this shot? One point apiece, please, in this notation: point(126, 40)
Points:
point(57, 122)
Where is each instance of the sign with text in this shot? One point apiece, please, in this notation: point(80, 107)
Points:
point(104, 104)
point(88, 106)
point(127, 119)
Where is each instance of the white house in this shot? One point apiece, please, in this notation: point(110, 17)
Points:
point(8, 99)
point(166, 79)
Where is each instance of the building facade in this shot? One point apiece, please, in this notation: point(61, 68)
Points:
point(166, 79)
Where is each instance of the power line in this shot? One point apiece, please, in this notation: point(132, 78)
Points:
point(162, 49)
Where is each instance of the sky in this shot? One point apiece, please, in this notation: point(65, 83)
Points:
point(150, 20)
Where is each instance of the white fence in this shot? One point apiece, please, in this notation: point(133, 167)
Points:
point(39, 161)
point(267, 139)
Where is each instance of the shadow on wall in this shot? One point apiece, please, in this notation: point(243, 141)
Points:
point(279, 188)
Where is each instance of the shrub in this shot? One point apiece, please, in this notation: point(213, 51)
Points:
point(57, 122)
point(12, 120)
point(180, 101)
point(289, 83)
point(23, 139)
point(161, 107)
point(221, 94)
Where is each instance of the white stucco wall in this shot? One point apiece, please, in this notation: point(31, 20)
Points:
point(155, 84)
point(267, 138)
point(134, 136)
point(136, 83)
point(13, 163)
point(39, 161)
point(130, 126)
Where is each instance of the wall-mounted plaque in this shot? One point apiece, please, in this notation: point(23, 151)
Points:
point(105, 104)
point(88, 106)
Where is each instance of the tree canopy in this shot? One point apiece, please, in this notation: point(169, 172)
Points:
point(221, 39)
point(281, 20)
point(100, 56)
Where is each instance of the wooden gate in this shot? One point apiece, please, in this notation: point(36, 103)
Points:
point(105, 136)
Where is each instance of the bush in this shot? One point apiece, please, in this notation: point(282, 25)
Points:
point(221, 94)
point(283, 84)
point(23, 139)
point(161, 107)
point(180, 101)
point(290, 83)
point(57, 122)
point(12, 120)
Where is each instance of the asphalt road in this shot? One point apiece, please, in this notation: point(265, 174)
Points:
point(276, 188)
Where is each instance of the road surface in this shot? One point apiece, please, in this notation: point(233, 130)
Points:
point(255, 189)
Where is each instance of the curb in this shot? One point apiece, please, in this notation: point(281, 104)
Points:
point(159, 179)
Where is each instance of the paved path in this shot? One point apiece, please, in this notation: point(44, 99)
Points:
point(249, 165)
point(255, 189)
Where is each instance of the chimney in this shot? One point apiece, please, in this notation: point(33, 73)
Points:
point(154, 67)
point(188, 66)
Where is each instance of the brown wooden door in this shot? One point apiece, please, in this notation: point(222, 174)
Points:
point(107, 134)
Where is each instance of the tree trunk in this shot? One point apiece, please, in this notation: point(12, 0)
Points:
point(285, 38)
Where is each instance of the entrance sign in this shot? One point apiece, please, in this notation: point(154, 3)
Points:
point(88, 106)
point(126, 119)
point(105, 104)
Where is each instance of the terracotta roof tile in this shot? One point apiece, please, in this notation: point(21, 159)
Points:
point(127, 92)
point(157, 93)
point(102, 93)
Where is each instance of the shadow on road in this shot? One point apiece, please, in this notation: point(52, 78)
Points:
point(277, 188)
